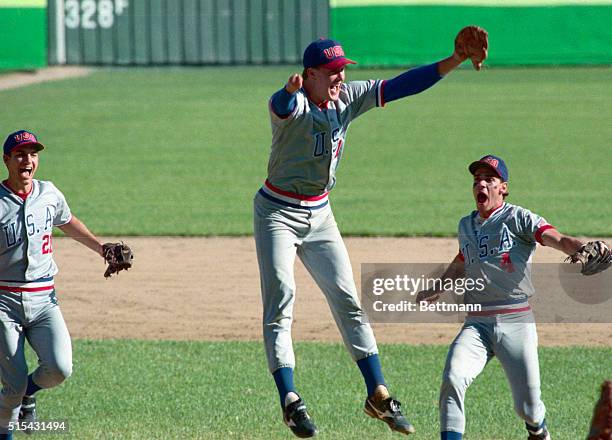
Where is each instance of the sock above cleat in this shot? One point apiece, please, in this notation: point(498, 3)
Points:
point(283, 377)
point(451, 435)
point(371, 371)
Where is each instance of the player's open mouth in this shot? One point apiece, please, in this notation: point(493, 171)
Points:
point(481, 197)
point(335, 89)
point(27, 171)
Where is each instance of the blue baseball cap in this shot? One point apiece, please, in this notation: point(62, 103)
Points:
point(19, 139)
point(325, 53)
point(496, 163)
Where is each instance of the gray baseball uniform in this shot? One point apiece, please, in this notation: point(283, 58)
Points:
point(28, 305)
point(498, 250)
point(292, 216)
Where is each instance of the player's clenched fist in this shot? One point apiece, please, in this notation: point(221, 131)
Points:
point(472, 42)
point(294, 83)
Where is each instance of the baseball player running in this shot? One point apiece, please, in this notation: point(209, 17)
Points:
point(496, 243)
point(310, 116)
point(29, 209)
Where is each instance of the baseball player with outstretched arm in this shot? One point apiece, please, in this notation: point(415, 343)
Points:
point(29, 210)
point(310, 116)
point(496, 243)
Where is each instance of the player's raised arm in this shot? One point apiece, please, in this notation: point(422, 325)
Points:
point(284, 101)
point(294, 83)
point(454, 271)
point(471, 42)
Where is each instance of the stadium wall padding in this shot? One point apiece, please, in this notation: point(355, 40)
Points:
point(23, 34)
point(408, 34)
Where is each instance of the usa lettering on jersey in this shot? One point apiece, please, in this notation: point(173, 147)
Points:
point(499, 249)
point(26, 243)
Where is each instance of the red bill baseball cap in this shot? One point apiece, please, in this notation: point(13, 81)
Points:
point(325, 53)
point(19, 139)
point(496, 163)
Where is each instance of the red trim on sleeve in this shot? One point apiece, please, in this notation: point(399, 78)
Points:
point(460, 255)
point(540, 231)
point(382, 93)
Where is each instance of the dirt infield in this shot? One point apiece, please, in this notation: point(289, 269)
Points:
point(208, 289)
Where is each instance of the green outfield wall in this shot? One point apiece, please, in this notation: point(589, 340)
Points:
point(522, 32)
point(23, 34)
point(175, 32)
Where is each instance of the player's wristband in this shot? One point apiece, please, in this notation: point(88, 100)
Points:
point(411, 82)
point(283, 103)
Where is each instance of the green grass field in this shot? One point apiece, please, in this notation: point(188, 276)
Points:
point(222, 390)
point(182, 151)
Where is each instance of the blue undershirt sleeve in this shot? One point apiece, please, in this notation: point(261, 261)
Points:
point(411, 82)
point(283, 103)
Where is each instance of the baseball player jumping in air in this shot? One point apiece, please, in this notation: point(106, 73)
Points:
point(29, 209)
point(496, 244)
point(310, 116)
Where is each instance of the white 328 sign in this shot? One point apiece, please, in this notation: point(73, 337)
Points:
point(89, 14)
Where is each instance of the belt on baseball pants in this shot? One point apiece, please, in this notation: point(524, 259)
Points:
point(40, 285)
point(291, 199)
point(502, 310)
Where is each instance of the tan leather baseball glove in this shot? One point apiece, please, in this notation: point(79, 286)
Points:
point(472, 42)
point(595, 257)
point(118, 256)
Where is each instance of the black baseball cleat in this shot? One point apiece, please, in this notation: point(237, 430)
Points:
point(27, 412)
point(297, 419)
point(388, 411)
point(543, 435)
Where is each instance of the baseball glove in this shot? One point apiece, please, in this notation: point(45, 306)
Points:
point(601, 425)
point(472, 42)
point(118, 256)
point(595, 257)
